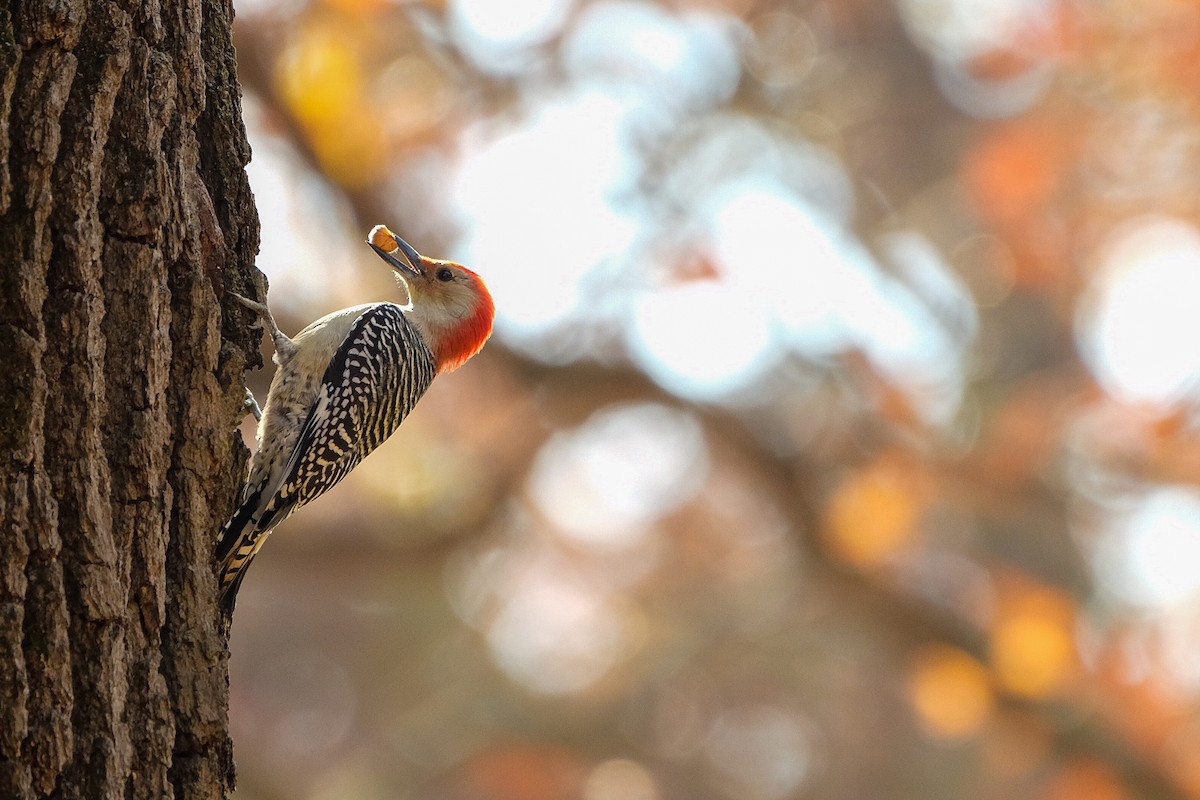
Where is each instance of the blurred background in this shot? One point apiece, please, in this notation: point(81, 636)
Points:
point(839, 434)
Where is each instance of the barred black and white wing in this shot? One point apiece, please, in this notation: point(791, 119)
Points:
point(377, 375)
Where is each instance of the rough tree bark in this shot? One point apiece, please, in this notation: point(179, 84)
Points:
point(124, 214)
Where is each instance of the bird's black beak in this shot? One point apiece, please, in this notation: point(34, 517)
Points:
point(409, 266)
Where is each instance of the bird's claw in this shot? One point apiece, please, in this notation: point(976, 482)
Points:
point(262, 313)
point(251, 405)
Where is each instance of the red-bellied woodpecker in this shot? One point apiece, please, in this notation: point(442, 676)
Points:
point(344, 385)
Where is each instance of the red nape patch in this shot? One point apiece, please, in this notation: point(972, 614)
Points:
point(460, 343)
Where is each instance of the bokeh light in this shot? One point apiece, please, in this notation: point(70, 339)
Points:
point(950, 691)
point(538, 204)
point(965, 28)
point(1033, 642)
point(761, 751)
point(554, 633)
point(499, 37)
point(1150, 550)
point(680, 61)
point(873, 515)
point(620, 779)
point(701, 339)
point(1139, 332)
point(626, 467)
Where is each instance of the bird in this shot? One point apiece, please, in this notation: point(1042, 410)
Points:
point(342, 387)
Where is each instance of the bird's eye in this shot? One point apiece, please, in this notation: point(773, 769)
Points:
point(444, 274)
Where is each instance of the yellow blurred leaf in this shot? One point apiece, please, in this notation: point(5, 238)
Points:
point(358, 6)
point(874, 513)
point(319, 75)
point(353, 155)
point(1033, 642)
point(950, 691)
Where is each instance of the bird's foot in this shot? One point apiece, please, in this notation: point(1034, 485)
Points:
point(260, 309)
point(251, 405)
point(283, 345)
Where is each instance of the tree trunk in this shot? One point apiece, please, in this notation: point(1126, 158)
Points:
point(124, 214)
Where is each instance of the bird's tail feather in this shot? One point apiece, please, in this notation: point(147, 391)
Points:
point(229, 590)
point(238, 543)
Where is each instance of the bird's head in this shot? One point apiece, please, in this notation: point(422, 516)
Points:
point(451, 306)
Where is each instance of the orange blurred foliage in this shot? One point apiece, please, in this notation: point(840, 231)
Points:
point(320, 76)
point(357, 6)
point(1086, 779)
point(873, 514)
point(950, 691)
point(1116, 44)
point(1014, 175)
point(1182, 756)
point(522, 771)
point(1129, 689)
point(1033, 640)
point(354, 156)
point(1015, 170)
